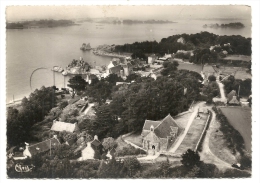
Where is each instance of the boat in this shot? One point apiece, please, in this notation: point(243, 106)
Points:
point(85, 47)
point(64, 73)
point(57, 69)
point(60, 70)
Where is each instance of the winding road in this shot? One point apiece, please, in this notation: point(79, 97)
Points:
point(206, 155)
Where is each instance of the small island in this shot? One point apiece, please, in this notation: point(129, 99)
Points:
point(235, 25)
point(39, 24)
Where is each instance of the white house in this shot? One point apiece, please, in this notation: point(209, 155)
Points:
point(87, 153)
point(59, 126)
point(181, 40)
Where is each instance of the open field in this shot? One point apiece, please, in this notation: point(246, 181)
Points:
point(240, 119)
point(190, 67)
point(242, 74)
point(238, 57)
point(191, 139)
point(120, 143)
point(238, 72)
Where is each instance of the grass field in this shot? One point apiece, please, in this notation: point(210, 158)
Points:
point(242, 74)
point(191, 139)
point(218, 144)
point(240, 119)
point(120, 143)
point(135, 138)
point(182, 120)
point(190, 67)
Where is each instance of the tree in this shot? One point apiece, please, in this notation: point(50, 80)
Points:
point(164, 168)
point(77, 83)
point(190, 158)
point(132, 77)
point(109, 143)
point(132, 166)
point(33, 109)
point(63, 104)
point(111, 170)
point(212, 78)
point(194, 172)
point(139, 55)
point(169, 68)
point(113, 78)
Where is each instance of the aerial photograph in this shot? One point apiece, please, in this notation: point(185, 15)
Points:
point(128, 92)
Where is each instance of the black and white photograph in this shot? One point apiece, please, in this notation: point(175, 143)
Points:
point(129, 91)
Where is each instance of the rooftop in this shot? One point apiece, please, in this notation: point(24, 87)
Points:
point(43, 146)
point(63, 126)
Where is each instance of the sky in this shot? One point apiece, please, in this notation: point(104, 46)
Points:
point(170, 12)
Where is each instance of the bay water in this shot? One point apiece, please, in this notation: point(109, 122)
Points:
point(29, 49)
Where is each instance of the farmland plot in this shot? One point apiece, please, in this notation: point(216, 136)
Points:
point(240, 119)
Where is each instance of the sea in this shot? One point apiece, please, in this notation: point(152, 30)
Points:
point(40, 49)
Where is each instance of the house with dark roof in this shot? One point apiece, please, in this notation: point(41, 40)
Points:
point(59, 126)
point(88, 149)
point(116, 70)
point(231, 95)
point(160, 135)
point(112, 63)
point(96, 144)
point(31, 150)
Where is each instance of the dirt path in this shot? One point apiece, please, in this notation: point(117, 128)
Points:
point(191, 119)
point(89, 107)
point(222, 93)
point(206, 155)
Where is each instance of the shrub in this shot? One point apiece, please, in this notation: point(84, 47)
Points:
point(212, 78)
point(246, 161)
point(130, 150)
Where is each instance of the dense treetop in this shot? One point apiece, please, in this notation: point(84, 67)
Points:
point(202, 40)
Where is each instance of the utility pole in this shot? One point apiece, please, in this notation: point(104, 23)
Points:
point(238, 91)
point(64, 82)
point(50, 147)
point(53, 78)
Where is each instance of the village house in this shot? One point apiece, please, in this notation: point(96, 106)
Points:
point(59, 126)
point(111, 153)
point(89, 149)
point(152, 58)
point(112, 64)
point(232, 98)
point(31, 150)
point(181, 40)
point(160, 135)
point(186, 52)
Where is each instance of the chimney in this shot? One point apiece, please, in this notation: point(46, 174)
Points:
point(95, 137)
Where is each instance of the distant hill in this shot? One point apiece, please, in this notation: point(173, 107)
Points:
point(39, 24)
point(235, 25)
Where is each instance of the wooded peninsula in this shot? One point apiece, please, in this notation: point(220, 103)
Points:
point(39, 24)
